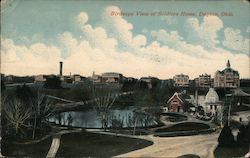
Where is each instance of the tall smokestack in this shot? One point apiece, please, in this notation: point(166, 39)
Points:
point(61, 67)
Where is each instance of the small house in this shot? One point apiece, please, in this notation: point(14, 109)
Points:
point(175, 104)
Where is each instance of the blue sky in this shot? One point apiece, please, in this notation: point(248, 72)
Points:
point(85, 36)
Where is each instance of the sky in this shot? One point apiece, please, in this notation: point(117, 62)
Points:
point(135, 38)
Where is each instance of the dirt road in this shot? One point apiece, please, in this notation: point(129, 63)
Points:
point(201, 145)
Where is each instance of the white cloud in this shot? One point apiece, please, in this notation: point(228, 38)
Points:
point(173, 40)
point(82, 18)
point(121, 30)
point(97, 37)
point(21, 60)
point(155, 60)
point(68, 43)
point(204, 33)
point(235, 41)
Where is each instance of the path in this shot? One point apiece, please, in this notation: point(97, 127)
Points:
point(56, 142)
point(54, 146)
point(202, 145)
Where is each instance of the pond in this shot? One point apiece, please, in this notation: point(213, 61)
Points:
point(123, 118)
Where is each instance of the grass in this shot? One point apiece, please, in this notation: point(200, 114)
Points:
point(175, 118)
point(96, 145)
point(28, 150)
point(188, 126)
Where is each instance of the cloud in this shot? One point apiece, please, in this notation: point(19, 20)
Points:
point(173, 40)
point(82, 18)
point(121, 29)
point(68, 44)
point(235, 41)
point(204, 33)
point(38, 58)
point(96, 36)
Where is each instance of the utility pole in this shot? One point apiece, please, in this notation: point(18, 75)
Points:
point(229, 109)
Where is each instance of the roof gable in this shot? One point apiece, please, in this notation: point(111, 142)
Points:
point(176, 95)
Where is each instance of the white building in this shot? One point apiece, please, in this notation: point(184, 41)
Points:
point(212, 105)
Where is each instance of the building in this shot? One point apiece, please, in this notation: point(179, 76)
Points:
point(227, 78)
point(203, 80)
point(107, 77)
point(181, 80)
point(77, 78)
point(40, 78)
point(149, 80)
point(96, 78)
point(212, 105)
point(175, 104)
point(9, 79)
point(112, 77)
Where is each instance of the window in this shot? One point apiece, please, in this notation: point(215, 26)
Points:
point(211, 107)
point(215, 107)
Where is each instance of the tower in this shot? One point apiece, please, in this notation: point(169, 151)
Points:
point(61, 67)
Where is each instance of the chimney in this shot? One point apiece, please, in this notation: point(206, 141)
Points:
point(228, 64)
point(61, 67)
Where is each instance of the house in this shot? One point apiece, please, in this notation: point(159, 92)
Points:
point(181, 80)
point(175, 104)
point(203, 80)
point(227, 78)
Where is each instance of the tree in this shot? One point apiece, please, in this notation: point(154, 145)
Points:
point(42, 108)
point(243, 137)
point(128, 86)
point(16, 113)
point(53, 82)
point(226, 138)
point(24, 94)
point(104, 99)
point(2, 86)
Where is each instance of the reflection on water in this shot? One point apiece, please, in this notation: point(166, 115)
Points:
point(92, 119)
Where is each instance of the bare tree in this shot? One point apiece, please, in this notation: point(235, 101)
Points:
point(16, 113)
point(42, 109)
point(104, 99)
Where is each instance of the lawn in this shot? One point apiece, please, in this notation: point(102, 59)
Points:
point(97, 145)
point(26, 150)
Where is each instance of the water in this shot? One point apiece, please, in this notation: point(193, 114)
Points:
point(114, 118)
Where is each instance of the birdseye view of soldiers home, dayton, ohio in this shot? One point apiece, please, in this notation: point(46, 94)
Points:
point(125, 79)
